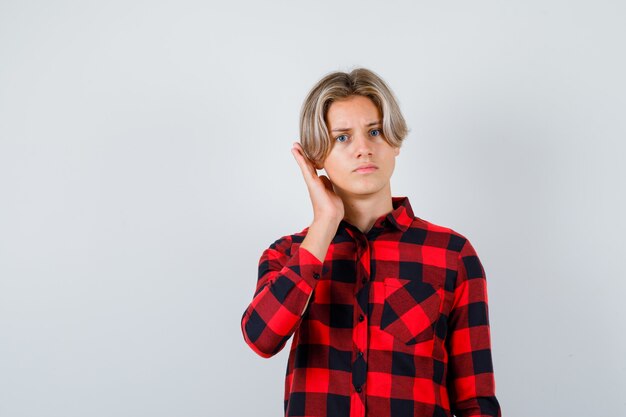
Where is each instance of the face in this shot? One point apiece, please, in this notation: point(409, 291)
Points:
point(355, 127)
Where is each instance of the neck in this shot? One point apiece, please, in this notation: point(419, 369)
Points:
point(362, 211)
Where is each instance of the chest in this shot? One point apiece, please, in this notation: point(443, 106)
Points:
point(401, 288)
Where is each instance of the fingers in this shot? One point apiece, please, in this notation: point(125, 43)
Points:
point(306, 166)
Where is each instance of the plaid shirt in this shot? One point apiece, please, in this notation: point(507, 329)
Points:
point(397, 324)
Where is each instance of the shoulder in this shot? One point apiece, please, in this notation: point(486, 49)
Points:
point(285, 243)
point(438, 235)
point(460, 253)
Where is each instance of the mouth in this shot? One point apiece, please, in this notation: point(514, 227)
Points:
point(366, 169)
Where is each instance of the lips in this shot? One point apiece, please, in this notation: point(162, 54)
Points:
point(366, 168)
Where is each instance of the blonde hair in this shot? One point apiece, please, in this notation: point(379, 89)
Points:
point(314, 136)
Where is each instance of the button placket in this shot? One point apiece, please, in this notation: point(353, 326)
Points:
point(361, 327)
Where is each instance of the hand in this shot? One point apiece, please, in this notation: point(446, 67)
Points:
point(327, 205)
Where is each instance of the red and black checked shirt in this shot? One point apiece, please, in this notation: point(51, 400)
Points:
point(397, 325)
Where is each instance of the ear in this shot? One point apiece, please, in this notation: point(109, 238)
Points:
point(396, 150)
point(319, 164)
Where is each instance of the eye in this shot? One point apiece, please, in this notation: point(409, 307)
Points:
point(375, 132)
point(341, 138)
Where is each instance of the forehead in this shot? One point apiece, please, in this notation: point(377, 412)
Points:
point(352, 110)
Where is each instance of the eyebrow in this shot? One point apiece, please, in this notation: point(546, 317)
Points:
point(377, 122)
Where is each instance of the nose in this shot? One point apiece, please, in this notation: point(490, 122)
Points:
point(363, 145)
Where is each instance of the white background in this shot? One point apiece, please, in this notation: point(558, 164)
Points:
point(145, 164)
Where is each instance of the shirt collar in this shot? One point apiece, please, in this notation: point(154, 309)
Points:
point(402, 214)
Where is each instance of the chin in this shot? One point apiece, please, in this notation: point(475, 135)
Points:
point(361, 191)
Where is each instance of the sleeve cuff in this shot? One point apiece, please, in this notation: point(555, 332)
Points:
point(304, 264)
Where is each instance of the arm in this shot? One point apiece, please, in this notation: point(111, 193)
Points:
point(471, 381)
point(286, 282)
point(284, 286)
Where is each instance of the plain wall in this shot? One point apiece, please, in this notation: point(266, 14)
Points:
point(145, 164)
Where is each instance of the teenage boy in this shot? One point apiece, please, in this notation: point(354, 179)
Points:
point(388, 311)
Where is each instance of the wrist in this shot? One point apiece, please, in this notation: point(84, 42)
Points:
point(325, 223)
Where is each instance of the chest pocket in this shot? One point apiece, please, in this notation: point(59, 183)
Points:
point(411, 309)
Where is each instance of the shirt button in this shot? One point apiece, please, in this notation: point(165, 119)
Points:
point(316, 275)
point(358, 389)
point(361, 317)
point(360, 353)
